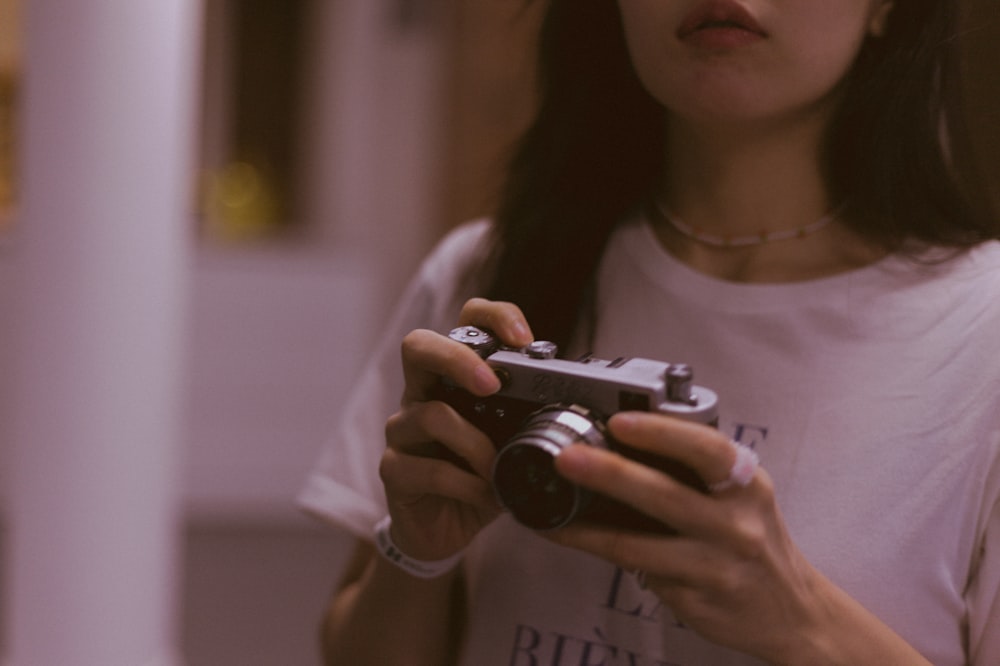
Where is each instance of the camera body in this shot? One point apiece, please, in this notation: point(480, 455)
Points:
point(546, 404)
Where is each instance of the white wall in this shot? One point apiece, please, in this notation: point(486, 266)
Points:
point(276, 341)
point(279, 333)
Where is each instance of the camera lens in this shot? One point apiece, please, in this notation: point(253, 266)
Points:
point(528, 485)
point(524, 473)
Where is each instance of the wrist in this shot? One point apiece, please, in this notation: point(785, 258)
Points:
point(837, 629)
point(426, 569)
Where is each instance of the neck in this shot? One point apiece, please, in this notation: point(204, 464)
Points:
point(754, 181)
point(740, 182)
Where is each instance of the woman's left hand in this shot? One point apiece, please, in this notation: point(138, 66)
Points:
point(732, 573)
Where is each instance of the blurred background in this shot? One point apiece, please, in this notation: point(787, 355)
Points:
point(334, 142)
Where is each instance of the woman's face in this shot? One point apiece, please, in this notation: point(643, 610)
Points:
point(738, 61)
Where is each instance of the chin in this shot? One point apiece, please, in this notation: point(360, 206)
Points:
point(742, 107)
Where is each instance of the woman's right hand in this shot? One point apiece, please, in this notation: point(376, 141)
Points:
point(437, 506)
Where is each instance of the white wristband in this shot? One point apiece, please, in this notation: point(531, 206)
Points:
point(418, 568)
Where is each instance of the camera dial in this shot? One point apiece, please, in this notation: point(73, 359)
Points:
point(477, 339)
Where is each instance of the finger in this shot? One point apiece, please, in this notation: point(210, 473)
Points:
point(644, 488)
point(429, 356)
point(628, 550)
point(676, 559)
point(687, 574)
point(704, 449)
point(691, 576)
point(411, 429)
point(505, 320)
point(409, 478)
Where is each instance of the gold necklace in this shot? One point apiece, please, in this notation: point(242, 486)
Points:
point(743, 241)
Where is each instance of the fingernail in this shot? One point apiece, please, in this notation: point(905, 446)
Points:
point(624, 421)
point(571, 461)
point(522, 332)
point(485, 380)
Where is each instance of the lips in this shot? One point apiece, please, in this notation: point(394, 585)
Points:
point(721, 15)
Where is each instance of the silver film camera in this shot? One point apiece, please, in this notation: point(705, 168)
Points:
point(545, 404)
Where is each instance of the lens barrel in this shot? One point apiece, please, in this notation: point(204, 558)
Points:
point(524, 475)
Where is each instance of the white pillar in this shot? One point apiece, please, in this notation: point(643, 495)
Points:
point(100, 250)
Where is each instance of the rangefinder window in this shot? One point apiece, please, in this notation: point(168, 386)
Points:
point(629, 401)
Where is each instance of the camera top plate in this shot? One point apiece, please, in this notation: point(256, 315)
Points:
point(533, 374)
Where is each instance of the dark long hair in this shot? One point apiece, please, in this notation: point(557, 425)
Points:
point(896, 154)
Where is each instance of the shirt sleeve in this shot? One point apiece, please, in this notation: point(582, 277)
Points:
point(983, 593)
point(344, 488)
point(984, 590)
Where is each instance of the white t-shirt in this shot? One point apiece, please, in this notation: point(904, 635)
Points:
point(872, 398)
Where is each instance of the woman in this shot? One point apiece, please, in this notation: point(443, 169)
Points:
point(776, 193)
